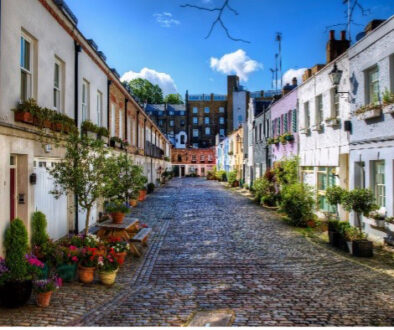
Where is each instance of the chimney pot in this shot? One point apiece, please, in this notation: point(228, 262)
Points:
point(343, 35)
point(294, 81)
point(332, 34)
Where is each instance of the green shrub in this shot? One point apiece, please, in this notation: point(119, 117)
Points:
point(232, 177)
point(360, 201)
point(150, 188)
point(262, 187)
point(39, 224)
point(270, 200)
point(335, 195)
point(286, 171)
point(221, 175)
point(16, 247)
point(298, 203)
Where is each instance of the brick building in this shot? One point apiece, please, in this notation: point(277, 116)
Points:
point(193, 161)
point(171, 119)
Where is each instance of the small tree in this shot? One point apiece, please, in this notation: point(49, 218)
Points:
point(232, 177)
point(39, 234)
point(16, 247)
point(361, 201)
point(286, 171)
point(83, 171)
point(173, 99)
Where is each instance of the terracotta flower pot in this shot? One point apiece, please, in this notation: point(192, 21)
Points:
point(43, 299)
point(117, 217)
point(108, 278)
point(24, 117)
point(142, 195)
point(120, 257)
point(86, 274)
point(57, 127)
point(133, 202)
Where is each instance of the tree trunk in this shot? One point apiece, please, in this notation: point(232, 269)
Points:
point(87, 220)
point(359, 221)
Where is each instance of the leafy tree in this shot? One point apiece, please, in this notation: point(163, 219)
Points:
point(286, 172)
point(83, 171)
point(173, 99)
point(144, 90)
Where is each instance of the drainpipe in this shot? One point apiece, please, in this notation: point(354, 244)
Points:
point(152, 150)
point(76, 86)
point(125, 118)
point(144, 140)
point(109, 83)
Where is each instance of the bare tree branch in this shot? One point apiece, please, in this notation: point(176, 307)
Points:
point(218, 19)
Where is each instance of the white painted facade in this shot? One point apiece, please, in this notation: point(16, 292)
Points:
point(324, 143)
point(239, 108)
point(179, 138)
point(372, 141)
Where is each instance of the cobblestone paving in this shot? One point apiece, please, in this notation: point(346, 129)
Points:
point(213, 249)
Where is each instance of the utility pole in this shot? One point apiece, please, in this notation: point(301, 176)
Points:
point(278, 38)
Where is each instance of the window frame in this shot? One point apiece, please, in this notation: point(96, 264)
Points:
point(319, 114)
point(367, 79)
point(381, 198)
point(85, 104)
point(28, 72)
point(307, 115)
point(207, 129)
point(99, 108)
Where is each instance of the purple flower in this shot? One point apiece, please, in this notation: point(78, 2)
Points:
point(3, 267)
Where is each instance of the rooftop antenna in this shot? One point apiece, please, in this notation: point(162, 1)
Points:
point(276, 72)
point(278, 38)
point(273, 78)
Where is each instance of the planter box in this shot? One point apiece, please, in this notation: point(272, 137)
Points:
point(91, 135)
point(337, 240)
point(332, 122)
point(388, 109)
point(24, 117)
point(389, 226)
point(105, 139)
point(58, 127)
point(369, 114)
point(362, 248)
point(317, 127)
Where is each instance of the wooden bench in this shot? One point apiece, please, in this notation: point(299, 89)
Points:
point(140, 237)
point(122, 230)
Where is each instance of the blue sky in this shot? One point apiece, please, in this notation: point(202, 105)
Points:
point(167, 41)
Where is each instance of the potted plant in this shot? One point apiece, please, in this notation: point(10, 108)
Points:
point(378, 218)
point(371, 110)
point(118, 210)
point(103, 134)
point(120, 249)
point(90, 129)
point(16, 272)
point(115, 142)
point(45, 288)
point(352, 236)
point(388, 102)
point(282, 139)
point(107, 268)
point(67, 265)
point(270, 141)
point(26, 111)
point(289, 137)
point(87, 264)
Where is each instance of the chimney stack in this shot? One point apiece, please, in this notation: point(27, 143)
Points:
point(335, 47)
point(294, 81)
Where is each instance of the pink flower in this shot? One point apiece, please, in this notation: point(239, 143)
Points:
point(74, 259)
point(73, 248)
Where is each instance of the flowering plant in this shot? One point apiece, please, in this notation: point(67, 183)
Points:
point(119, 246)
point(70, 254)
point(88, 257)
point(4, 272)
point(108, 263)
point(47, 285)
point(91, 241)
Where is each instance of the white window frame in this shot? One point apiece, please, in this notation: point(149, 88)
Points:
point(99, 108)
point(85, 100)
point(379, 189)
point(26, 70)
point(334, 103)
point(121, 125)
point(319, 109)
point(307, 115)
point(113, 124)
point(369, 84)
point(58, 85)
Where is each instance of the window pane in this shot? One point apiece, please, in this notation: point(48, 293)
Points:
point(56, 78)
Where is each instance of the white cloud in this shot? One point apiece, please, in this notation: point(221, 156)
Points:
point(291, 73)
point(165, 19)
point(164, 80)
point(237, 62)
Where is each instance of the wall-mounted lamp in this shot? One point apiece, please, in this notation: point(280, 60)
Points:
point(335, 77)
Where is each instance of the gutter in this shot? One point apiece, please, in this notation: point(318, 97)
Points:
point(76, 72)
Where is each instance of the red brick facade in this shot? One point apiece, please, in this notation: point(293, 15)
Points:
point(193, 156)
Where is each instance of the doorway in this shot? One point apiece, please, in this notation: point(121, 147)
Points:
point(182, 171)
point(12, 187)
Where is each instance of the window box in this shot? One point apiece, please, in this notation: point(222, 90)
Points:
point(332, 122)
point(317, 127)
point(368, 112)
point(57, 127)
point(388, 108)
point(24, 117)
point(374, 222)
point(305, 131)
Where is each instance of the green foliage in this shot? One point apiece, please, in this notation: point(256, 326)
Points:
point(221, 175)
point(270, 200)
point(262, 187)
point(232, 177)
point(360, 201)
point(150, 188)
point(211, 175)
point(88, 126)
point(145, 91)
point(16, 247)
point(39, 224)
point(102, 131)
point(82, 171)
point(173, 99)
point(117, 206)
point(387, 96)
point(286, 171)
point(298, 203)
point(335, 195)
point(353, 234)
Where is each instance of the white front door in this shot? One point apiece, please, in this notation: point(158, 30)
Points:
point(54, 209)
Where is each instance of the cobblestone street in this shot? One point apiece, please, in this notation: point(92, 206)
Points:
point(212, 249)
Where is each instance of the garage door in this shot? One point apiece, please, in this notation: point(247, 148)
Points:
point(54, 209)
